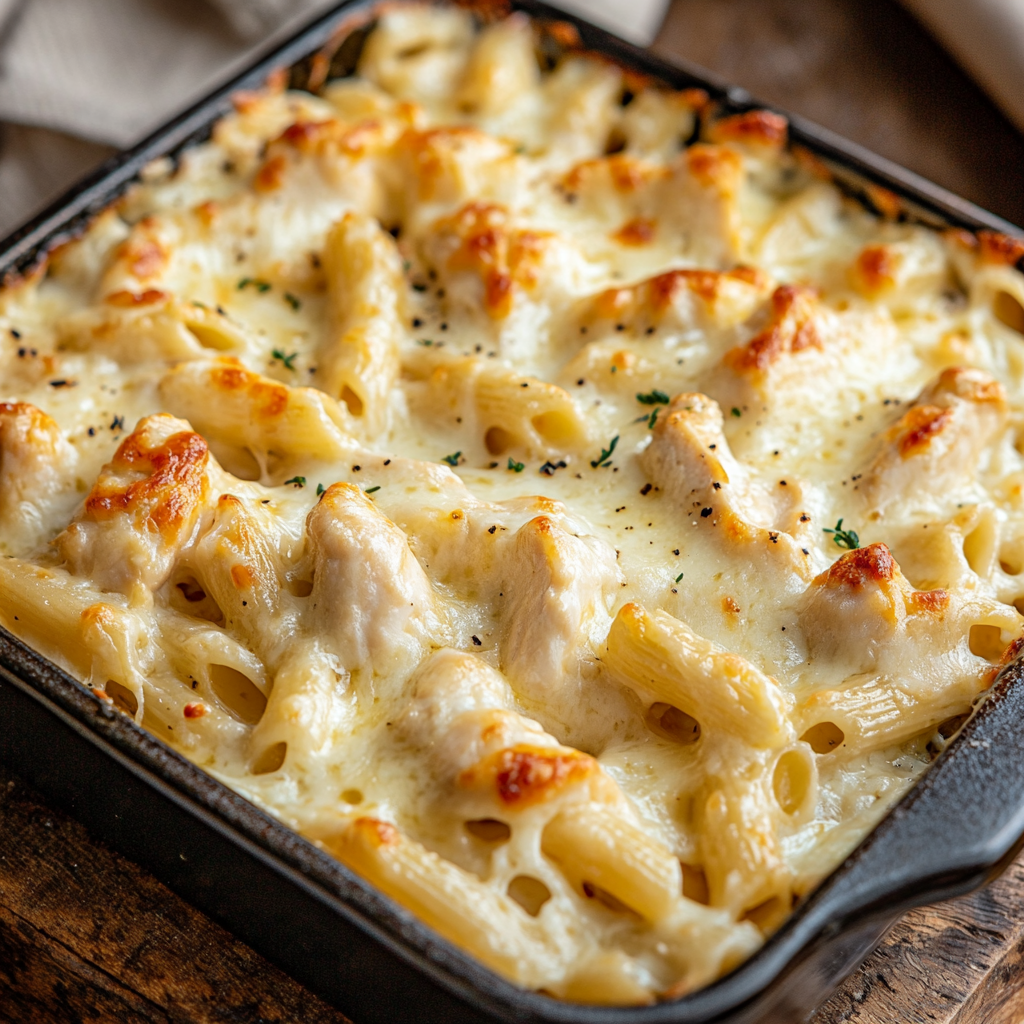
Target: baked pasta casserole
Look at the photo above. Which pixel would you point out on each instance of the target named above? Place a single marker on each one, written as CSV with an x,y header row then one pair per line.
x,y
559,501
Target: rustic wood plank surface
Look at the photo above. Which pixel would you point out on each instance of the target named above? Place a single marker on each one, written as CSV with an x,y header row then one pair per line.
x,y
87,936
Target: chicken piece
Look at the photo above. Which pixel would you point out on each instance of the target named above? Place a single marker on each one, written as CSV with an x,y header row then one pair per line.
x,y
558,588
933,452
36,471
371,598
144,509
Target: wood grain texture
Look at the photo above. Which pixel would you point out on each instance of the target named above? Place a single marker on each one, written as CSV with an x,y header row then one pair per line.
x,y
960,962
85,935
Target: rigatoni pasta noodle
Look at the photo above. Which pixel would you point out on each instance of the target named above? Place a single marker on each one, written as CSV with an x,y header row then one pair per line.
x,y
561,503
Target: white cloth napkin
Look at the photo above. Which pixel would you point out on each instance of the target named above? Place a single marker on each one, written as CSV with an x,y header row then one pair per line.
x,y
111,70
987,38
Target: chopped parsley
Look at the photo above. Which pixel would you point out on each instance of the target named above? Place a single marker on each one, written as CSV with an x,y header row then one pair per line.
x,y
516,467
453,459
844,538
118,423
254,282
293,301
320,489
678,578
289,361
299,481
654,397
370,490
653,418
736,412
604,459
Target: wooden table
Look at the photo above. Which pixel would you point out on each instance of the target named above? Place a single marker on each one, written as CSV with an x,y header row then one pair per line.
x,y
88,936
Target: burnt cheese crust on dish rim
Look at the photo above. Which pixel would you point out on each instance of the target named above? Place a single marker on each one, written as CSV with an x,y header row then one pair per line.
x,y
560,502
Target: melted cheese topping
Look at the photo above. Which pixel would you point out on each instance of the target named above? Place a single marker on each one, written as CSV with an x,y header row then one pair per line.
x,y
584,535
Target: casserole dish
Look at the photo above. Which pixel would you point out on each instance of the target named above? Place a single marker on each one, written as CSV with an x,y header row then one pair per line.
x,y
692,1004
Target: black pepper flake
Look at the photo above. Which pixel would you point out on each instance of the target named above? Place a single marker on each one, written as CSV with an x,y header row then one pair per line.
x,y
492,529
717,486
15,333
549,467
477,642
675,551
773,536
580,382
805,551
804,517
705,512
61,383
118,423
621,508
646,489
620,327
92,431
417,322
22,353
782,483
355,469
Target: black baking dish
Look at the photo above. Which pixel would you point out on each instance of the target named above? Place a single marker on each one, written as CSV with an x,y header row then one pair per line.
x,y
954,831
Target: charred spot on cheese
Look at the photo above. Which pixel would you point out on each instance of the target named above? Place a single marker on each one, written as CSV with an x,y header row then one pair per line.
x,y
790,330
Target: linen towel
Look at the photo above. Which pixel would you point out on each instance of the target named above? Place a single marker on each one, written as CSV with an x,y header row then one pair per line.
x,y
987,38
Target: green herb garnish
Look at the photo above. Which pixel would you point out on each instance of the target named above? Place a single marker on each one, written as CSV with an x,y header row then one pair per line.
x,y
736,412
654,397
606,454
293,301
289,361
299,481
652,418
320,489
516,467
844,538
255,282
370,490
453,459
679,577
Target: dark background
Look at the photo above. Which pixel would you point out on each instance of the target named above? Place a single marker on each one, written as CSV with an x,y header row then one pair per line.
x,y
868,70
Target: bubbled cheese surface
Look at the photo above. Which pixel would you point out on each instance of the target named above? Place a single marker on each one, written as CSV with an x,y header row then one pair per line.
x,y
451,463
